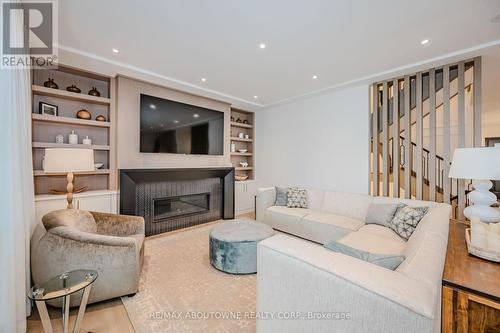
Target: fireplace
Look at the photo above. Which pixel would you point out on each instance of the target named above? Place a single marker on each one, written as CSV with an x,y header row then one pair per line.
x,y
171,199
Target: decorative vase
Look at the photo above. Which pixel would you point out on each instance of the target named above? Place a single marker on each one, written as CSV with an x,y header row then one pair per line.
x,y
59,138
83,114
50,84
100,118
87,141
73,138
74,89
94,92
233,147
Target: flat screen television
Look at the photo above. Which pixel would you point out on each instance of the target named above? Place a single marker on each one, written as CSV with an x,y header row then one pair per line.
x,y
178,128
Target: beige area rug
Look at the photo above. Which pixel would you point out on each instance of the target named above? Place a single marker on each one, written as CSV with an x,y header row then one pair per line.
x,y
179,291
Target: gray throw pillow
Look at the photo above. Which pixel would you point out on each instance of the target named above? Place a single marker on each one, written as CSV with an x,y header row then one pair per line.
x,y
281,196
296,198
389,261
382,214
406,219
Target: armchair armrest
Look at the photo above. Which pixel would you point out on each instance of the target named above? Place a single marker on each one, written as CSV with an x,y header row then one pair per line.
x,y
266,197
92,239
118,225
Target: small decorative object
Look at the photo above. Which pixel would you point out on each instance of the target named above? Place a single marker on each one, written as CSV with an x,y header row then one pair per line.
x,y
480,165
94,92
247,136
242,150
87,141
74,89
483,240
98,165
50,84
245,121
48,109
233,147
241,178
232,119
244,164
238,120
59,138
241,135
83,114
100,118
73,138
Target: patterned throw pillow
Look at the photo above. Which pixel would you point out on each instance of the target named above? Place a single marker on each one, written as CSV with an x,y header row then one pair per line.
x,y
406,219
296,198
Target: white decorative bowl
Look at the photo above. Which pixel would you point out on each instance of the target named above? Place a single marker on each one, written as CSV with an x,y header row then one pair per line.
x,y
98,165
242,150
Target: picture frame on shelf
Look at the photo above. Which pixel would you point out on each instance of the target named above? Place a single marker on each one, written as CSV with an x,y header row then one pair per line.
x,y
48,109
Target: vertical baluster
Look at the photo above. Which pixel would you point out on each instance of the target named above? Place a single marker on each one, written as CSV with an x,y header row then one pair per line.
x,y
375,139
477,102
419,134
461,132
385,141
395,137
407,124
432,135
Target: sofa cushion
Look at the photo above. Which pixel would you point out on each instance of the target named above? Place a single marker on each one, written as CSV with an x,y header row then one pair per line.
x,y
296,198
340,221
347,204
374,243
74,218
389,261
378,230
382,213
406,219
281,196
286,219
315,199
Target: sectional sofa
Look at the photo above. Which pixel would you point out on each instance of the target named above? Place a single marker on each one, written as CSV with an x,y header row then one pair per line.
x,y
304,287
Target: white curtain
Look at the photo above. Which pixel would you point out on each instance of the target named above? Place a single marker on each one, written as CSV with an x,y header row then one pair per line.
x,y
17,195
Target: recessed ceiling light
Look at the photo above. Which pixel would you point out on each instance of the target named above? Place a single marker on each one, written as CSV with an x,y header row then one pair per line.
x,y
262,45
255,96
116,51
176,121
314,77
152,106
425,41
196,115
203,79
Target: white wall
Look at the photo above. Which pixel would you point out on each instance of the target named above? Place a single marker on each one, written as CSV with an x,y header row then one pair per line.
x,y
320,142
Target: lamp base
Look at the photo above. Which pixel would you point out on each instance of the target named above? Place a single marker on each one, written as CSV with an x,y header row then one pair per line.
x,y
481,200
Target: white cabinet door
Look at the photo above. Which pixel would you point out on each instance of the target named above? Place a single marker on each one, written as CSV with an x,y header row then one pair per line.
x,y
245,196
100,203
46,206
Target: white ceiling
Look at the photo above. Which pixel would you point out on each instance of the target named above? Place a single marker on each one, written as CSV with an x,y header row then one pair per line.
x,y
340,41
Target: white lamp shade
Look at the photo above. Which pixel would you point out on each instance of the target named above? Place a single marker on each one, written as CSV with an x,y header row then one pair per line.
x,y
65,160
476,163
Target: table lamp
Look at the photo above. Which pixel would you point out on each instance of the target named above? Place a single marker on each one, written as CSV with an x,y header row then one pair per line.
x,y
68,160
481,165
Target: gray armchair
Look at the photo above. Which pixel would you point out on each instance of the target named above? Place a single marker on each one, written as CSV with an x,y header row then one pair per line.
x,y
72,239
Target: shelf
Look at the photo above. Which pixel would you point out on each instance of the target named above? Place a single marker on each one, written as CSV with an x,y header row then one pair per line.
x,y
234,138
67,145
235,124
243,169
67,120
44,91
241,154
39,173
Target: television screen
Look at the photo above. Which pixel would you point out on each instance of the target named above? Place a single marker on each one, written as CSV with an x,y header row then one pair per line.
x,y
178,128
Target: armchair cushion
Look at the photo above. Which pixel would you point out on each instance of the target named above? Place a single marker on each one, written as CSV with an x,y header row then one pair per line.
x,y
78,219
118,225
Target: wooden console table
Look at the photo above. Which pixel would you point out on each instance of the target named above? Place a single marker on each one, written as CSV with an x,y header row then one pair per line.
x,y
471,288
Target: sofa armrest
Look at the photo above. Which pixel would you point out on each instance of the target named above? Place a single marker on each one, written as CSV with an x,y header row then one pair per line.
x,y
299,277
118,225
266,197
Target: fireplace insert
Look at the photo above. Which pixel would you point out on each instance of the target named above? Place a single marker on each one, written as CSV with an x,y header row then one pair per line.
x,y
182,205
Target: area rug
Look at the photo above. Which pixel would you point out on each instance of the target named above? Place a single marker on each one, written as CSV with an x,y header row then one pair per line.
x,y
179,291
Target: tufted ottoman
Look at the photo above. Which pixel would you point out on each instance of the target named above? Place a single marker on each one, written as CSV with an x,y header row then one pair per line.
x,y
233,245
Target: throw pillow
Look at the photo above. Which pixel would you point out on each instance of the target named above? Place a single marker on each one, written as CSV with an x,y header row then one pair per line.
x,y
389,261
281,196
382,214
406,219
296,198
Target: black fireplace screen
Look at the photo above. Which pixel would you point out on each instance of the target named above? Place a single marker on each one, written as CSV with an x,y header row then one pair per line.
x,y
183,205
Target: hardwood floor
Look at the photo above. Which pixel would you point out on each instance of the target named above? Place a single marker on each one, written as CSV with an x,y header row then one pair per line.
x,y
108,316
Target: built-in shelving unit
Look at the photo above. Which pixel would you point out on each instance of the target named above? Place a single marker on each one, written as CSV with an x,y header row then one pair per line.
x,y
46,127
243,137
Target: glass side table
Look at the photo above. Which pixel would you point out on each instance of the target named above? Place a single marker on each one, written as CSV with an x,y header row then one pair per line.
x,y
63,285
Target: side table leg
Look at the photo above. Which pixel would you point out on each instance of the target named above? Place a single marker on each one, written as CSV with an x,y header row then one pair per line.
x,y
65,314
81,310
44,316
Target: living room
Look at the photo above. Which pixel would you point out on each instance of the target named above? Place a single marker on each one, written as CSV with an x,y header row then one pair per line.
x,y
305,166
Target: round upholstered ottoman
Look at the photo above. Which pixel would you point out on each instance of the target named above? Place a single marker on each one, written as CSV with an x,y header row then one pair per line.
x,y
233,245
